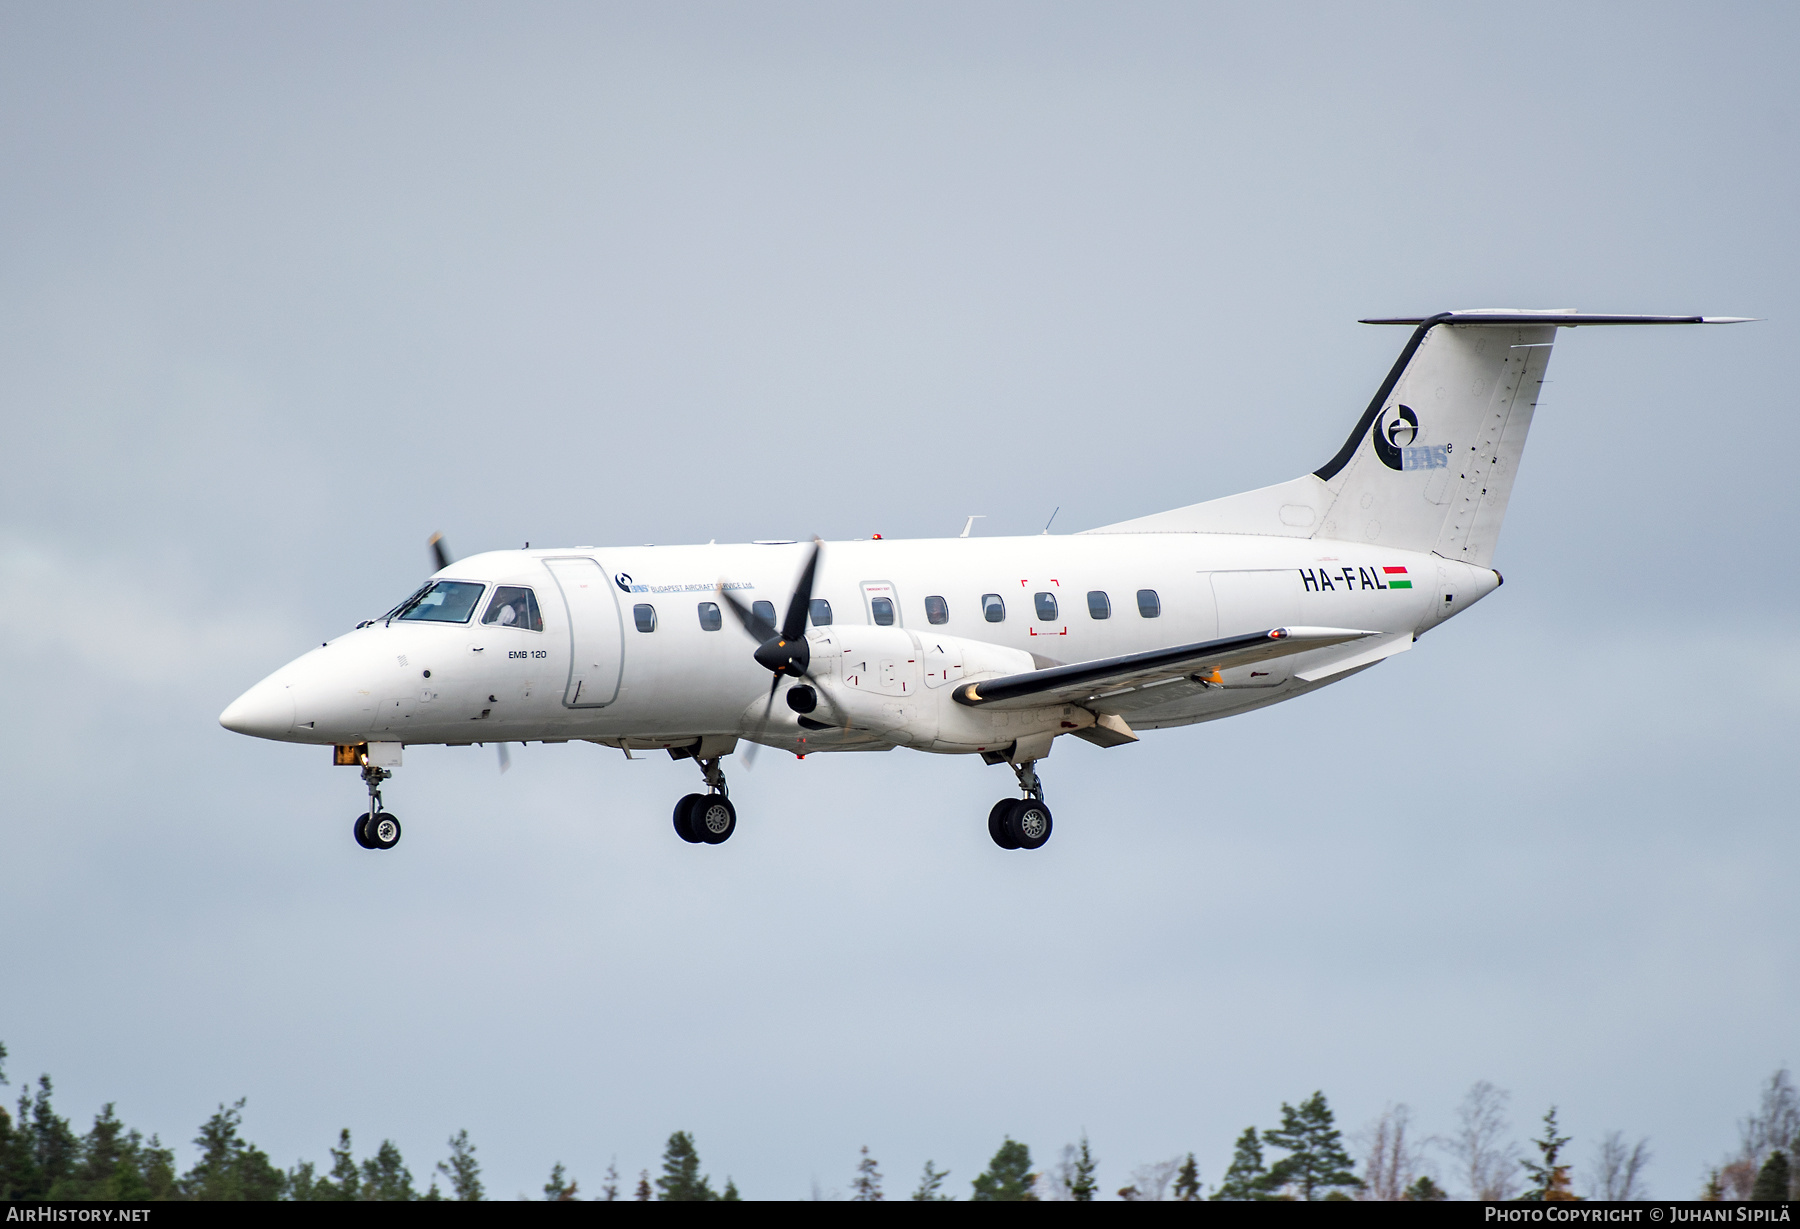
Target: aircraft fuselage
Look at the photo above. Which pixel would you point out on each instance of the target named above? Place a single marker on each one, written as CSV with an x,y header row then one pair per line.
x,y
691,674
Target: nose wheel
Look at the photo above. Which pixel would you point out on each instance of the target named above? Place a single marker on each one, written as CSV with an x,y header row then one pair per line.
x,y
709,818
376,828
1022,823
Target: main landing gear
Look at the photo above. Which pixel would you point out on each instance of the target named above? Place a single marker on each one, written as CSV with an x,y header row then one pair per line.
x,y
707,818
375,828
1022,823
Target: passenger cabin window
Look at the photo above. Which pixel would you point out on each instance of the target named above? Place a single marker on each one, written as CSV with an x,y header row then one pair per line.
x,y
1149,605
820,609
883,610
937,610
764,611
993,608
513,607
1046,606
644,615
1099,605
709,617
447,601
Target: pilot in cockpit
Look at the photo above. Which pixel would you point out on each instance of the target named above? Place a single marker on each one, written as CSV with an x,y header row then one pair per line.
x,y
513,607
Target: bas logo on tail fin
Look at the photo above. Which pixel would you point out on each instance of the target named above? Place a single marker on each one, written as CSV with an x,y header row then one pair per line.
x,y
1430,463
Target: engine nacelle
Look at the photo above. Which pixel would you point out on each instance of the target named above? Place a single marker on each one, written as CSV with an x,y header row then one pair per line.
x,y
900,684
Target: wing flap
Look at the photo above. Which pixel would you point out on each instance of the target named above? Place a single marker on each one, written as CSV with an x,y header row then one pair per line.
x,y
1366,654
1095,680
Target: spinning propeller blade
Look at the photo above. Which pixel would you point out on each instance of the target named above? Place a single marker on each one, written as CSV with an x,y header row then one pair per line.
x,y
783,650
505,757
762,725
440,554
753,623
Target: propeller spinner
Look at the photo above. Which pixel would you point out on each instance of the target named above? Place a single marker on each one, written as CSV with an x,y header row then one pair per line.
x,y
783,651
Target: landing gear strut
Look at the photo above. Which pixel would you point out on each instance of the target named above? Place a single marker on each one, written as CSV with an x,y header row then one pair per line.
x,y
1021,823
375,828
707,818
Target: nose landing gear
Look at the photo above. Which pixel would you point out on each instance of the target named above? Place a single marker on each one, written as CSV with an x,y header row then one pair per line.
x,y
1021,823
707,818
375,828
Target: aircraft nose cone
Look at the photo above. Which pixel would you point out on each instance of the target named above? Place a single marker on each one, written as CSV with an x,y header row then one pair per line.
x,y
265,711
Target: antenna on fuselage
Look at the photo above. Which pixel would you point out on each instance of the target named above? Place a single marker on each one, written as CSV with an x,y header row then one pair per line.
x,y
970,524
1052,520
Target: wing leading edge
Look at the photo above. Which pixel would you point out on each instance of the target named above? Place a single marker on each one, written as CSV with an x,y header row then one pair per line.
x,y
1092,680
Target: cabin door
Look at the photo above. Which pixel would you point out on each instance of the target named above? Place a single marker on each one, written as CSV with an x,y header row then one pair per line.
x,y
596,632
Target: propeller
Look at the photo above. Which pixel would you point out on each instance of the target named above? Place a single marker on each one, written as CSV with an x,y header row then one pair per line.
x,y
505,757
783,651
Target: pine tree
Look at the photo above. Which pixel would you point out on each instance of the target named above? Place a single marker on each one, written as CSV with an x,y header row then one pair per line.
x,y
868,1180
730,1194
1550,1181
6,1138
609,1187
1773,1180
386,1177
681,1180
1246,1177
44,1147
931,1184
1083,1187
117,1164
304,1185
1715,1190
102,1170
463,1170
345,1182
557,1190
1187,1181
229,1167
1424,1191
642,1193
1008,1178
1316,1160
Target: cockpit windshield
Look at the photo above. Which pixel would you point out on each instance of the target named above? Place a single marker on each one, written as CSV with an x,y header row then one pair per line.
x,y
444,601
514,607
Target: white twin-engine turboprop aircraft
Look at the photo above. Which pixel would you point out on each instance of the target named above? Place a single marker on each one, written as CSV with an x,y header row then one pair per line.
x,y
964,646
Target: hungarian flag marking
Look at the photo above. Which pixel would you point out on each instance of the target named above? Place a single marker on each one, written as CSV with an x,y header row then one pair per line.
x,y
1396,578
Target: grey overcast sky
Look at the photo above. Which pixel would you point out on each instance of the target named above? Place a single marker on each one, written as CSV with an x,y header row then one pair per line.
x,y
284,288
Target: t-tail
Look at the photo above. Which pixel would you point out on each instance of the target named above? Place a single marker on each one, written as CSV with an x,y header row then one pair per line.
x,y
1430,464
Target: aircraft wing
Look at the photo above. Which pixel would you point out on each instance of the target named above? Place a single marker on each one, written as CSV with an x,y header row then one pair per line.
x,y
1095,680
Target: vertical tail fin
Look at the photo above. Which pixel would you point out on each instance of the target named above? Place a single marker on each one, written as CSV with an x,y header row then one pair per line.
x,y
1430,464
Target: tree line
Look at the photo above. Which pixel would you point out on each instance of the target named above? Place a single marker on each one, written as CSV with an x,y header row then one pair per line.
x,y
1305,1156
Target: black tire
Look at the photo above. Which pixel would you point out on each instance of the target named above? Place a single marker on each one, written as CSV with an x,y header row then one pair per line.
x,y
361,832
383,831
714,819
1028,823
683,810
998,828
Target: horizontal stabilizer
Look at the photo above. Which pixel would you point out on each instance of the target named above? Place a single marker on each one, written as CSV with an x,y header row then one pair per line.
x,y
1092,680
1562,319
